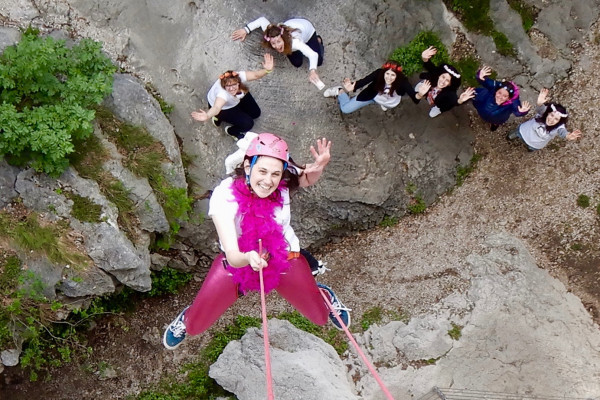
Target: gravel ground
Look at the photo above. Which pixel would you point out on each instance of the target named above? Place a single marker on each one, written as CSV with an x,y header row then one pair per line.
x,y
410,266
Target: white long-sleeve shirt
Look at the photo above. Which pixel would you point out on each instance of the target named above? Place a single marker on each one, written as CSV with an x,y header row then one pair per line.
x,y
304,32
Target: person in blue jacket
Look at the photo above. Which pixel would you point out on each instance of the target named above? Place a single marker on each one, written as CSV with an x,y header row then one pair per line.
x,y
495,101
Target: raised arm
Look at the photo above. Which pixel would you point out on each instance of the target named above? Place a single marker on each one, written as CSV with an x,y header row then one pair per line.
x,y
202,115
240,34
267,68
312,172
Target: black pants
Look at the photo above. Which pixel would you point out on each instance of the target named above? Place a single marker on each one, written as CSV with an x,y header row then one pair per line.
x,y
312,261
241,117
297,57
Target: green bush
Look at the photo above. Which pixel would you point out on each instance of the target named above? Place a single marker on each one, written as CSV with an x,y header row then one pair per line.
x,y
527,12
168,281
583,201
474,14
467,67
46,96
409,56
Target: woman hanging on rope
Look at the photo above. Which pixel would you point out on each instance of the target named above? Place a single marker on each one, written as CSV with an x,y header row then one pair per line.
x,y
442,97
550,121
296,38
249,208
384,86
230,100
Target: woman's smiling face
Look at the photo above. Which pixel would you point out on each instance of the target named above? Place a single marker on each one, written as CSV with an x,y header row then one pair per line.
x,y
265,175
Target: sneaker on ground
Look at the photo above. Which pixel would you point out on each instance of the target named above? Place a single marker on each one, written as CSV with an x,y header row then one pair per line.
x,y
321,269
332,91
216,122
342,311
384,108
175,332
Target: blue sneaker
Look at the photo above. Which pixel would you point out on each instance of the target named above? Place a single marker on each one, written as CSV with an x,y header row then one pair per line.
x,y
342,311
175,332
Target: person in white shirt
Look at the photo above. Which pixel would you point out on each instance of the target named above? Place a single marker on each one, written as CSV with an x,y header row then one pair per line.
x,y
296,38
230,100
550,121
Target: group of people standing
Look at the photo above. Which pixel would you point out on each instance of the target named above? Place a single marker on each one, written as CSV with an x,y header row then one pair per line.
x,y
251,209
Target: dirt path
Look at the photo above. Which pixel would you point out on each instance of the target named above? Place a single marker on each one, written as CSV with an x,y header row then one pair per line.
x,y
409,266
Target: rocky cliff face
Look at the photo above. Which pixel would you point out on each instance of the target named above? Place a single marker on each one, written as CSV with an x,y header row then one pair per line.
x,y
183,47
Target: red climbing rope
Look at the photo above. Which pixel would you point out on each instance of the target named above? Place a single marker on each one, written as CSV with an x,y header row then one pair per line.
x,y
358,350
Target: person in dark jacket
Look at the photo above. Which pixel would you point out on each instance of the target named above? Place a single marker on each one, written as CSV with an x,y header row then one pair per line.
x,y
384,86
445,81
495,101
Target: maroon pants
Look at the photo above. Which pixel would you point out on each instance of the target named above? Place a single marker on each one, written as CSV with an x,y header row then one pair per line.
x,y
219,292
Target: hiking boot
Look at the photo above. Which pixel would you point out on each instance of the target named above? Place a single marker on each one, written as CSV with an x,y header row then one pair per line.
x,y
175,332
342,311
215,121
321,269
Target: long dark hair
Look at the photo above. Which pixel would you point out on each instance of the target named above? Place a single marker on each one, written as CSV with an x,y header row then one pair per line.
x,y
276,30
560,108
434,75
394,67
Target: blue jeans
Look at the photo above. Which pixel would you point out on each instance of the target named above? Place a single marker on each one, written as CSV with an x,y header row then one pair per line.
x,y
349,105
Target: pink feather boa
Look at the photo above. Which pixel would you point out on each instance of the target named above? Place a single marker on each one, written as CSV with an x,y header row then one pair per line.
x,y
257,221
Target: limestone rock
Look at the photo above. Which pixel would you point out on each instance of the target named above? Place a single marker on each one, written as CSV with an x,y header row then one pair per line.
x,y
8,176
522,333
133,104
303,366
89,282
10,357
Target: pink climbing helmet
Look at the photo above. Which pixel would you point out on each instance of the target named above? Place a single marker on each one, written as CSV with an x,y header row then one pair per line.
x,y
268,144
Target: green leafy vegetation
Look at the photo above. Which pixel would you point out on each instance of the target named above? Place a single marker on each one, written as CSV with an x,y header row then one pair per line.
x,y
84,209
527,12
144,157
576,246
389,221
168,281
583,201
417,205
47,92
29,235
409,56
463,172
474,14
467,66
371,317
456,332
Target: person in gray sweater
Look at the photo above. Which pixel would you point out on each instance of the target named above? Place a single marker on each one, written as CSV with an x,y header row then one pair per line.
x,y
550,121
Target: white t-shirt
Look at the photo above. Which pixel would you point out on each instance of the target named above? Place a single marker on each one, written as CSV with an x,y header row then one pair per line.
x,y
388,100
218,91
222,203
304,32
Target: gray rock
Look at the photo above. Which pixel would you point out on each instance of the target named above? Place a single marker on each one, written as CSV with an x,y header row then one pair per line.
x,y
8,177
133,104
150,214
8,37
39,193
114,253
522,333
90,282
10,357
158,261
45,273
303,366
